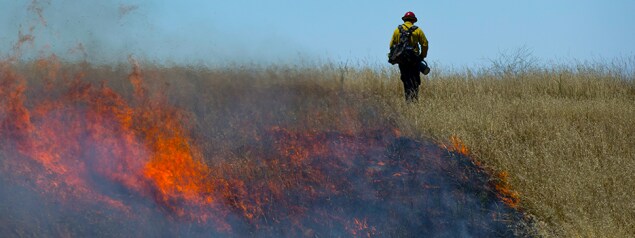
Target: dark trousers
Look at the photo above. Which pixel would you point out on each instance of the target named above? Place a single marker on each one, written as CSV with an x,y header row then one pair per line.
x,y
411,81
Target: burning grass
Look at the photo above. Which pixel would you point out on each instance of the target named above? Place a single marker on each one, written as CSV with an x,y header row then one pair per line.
x,y
296,151
268,152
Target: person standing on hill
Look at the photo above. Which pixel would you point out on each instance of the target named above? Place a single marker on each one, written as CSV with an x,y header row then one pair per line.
x,y
408,48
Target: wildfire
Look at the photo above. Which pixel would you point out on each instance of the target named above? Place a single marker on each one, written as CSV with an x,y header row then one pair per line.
x,y
92,129
501,183
505,192
458,146
83,144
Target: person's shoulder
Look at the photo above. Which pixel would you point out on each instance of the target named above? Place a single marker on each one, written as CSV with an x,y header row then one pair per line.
x,y
397,28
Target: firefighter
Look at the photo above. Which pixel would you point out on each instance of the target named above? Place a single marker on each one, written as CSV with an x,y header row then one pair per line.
x,y
410,70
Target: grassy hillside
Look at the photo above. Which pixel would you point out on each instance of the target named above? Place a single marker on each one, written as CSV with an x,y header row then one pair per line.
x,y
565,137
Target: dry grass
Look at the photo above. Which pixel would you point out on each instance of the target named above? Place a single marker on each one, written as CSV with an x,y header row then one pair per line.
x,y
566,136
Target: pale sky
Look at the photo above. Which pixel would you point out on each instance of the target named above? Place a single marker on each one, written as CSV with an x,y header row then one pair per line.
x,y
461,33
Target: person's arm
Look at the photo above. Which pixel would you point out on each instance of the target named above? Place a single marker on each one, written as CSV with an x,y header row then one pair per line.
x,y
394,39
423,41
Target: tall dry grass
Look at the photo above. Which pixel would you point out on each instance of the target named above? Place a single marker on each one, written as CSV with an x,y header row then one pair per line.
x,y
565,135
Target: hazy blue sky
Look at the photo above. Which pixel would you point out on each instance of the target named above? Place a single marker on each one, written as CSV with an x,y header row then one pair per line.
x,y
211,32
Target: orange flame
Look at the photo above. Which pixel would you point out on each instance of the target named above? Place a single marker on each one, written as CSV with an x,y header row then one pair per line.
x,y
458,146
360,228
501,184
134,146
505,192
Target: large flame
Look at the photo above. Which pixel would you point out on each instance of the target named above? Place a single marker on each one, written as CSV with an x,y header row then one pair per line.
x,y
89,129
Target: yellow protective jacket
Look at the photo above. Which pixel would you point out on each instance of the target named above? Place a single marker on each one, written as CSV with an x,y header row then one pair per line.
x,y
418,38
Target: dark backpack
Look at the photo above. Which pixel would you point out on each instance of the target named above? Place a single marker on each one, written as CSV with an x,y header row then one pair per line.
x,y
403,52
